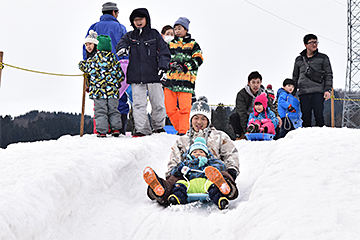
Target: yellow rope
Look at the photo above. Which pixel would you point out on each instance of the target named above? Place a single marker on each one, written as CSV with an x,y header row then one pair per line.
x,y
85,75
24,69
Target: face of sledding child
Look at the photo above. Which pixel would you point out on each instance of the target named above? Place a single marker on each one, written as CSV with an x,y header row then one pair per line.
x,y
254,85
289,88
197,153
259,107
139,22
89,47
180,31
199,122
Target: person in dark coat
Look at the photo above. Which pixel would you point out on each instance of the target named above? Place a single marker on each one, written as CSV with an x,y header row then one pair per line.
x,y
314,78
149,59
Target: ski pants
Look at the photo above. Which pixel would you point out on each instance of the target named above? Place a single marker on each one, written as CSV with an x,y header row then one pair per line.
x,y
312,102
106,113
178,106
156,97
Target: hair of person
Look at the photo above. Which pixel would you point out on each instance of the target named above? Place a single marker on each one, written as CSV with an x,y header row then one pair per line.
x,y
308,37
165,28
109,12
254,75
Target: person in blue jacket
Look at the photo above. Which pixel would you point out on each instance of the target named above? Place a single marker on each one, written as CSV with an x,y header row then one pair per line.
x,y
110,26
149,59
288,108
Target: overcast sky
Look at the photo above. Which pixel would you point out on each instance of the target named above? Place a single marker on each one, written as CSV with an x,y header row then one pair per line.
x,y
236,36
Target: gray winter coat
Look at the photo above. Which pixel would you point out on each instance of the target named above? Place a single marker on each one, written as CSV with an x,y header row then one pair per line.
x,y
319,62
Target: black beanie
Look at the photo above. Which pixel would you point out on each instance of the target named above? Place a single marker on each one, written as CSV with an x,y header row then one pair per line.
x,y
288,81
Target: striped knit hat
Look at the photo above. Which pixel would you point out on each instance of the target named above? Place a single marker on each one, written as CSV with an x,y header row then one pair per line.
x,y
199,143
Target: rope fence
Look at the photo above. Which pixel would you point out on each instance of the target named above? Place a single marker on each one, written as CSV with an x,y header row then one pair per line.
x,y
2,64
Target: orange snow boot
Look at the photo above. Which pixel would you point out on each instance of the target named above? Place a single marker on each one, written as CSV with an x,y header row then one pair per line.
x,y
215,176
152,180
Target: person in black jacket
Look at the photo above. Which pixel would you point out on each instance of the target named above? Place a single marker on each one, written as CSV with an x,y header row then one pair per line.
x,y
149,59
314,79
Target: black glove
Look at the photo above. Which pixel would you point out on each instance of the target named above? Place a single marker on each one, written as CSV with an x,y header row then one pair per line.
x,y
162,75
291,109
232,172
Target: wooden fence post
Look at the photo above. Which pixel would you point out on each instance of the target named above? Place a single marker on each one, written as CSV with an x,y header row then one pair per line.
x,y
332,108
1,60
83,108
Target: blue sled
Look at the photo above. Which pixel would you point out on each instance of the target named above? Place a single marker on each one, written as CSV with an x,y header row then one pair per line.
x,y
193,197
259,136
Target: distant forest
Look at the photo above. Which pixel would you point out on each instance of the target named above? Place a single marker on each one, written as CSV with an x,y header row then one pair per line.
x,y
35,125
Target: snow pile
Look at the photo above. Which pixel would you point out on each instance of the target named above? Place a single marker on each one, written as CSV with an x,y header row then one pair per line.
x,y
305,186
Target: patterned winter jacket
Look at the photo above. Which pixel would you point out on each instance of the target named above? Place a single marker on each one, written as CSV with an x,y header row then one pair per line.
x,y
218,143
320,62
184,51
245,102
105,73
193,163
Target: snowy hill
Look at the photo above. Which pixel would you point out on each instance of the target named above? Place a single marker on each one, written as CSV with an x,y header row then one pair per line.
x,y
305,186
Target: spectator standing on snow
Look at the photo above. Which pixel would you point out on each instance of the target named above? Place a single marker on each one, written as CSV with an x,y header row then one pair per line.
x,y
110,26
186,58
104,83
314,79
149,59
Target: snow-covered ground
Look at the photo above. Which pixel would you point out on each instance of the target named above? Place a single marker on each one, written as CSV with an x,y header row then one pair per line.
x,y
305,186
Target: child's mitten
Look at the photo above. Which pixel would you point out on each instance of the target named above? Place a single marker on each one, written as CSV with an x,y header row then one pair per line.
x,y
184,170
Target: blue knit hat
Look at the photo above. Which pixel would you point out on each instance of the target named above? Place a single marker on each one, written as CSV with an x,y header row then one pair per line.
x,y
183,21
199,143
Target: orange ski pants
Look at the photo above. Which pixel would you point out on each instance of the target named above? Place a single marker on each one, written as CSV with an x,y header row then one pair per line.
x,y
178,106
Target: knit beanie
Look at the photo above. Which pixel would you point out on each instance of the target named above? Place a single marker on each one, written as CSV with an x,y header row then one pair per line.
x,y
288,81
199,143
201,107
269,86
104,43
109,6
262,98
91,38
183,21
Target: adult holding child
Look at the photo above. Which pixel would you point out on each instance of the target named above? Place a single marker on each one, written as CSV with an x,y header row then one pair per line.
x,y
219,145
245,102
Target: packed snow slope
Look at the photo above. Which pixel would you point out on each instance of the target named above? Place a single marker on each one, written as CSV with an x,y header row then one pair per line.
x,y
305,186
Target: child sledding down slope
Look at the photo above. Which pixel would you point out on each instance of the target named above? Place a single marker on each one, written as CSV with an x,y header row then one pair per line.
x,y
201,172
262,119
